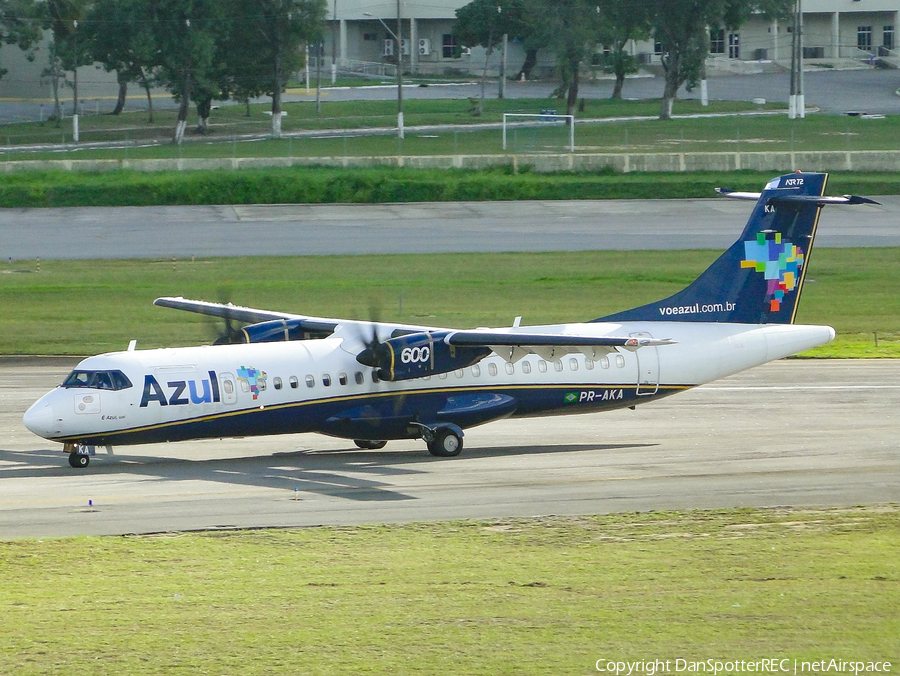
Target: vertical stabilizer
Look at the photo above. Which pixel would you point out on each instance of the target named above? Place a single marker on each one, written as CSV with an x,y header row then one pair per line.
x,y
758,280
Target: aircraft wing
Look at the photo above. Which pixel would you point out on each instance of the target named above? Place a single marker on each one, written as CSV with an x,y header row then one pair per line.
x,y
245,314
513,345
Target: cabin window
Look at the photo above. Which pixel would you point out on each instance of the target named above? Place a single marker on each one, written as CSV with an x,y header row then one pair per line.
x,y
359,378
573,364
261,384
342,378
245,385
510,368
476,370
277,383
620,361
442,376
310,381
375,377
604,362
326,380
98,380
542,366
228,386
459,373
492,369
526,367
589,364
294,382
558,365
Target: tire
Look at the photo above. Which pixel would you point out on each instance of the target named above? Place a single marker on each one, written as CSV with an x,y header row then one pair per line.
x,y
369,444
446,444
79,460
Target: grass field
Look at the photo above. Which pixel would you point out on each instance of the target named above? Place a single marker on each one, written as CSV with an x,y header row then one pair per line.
x,y
516,596
86,307
729,134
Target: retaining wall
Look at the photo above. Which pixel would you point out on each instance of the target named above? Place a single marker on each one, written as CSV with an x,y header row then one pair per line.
x,y
851,160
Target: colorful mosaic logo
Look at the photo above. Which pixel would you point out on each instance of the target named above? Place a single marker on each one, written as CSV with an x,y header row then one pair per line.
x,y
254,377
779,261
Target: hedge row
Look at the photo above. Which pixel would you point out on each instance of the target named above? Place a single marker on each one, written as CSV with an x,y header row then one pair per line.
x,y
328,185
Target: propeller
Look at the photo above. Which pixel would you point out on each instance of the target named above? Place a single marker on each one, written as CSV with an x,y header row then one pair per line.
x,y
375,353
227,333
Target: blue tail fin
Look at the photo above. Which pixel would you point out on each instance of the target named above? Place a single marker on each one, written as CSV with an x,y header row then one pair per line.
x,y
758,280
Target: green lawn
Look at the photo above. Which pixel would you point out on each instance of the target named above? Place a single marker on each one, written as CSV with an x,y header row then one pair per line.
x,y
746,134
515,596
86,307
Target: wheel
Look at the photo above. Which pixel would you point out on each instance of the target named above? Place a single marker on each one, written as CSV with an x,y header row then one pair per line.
x,y
79,460
369,444
446,444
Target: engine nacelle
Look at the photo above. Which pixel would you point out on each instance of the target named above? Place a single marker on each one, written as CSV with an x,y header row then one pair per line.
x,y
416,355
279,330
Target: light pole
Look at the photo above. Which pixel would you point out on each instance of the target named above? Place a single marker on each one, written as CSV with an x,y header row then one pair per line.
x,y
396,37
75,83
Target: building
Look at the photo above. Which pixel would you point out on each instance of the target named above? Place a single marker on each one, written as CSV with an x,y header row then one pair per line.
x,y
361,33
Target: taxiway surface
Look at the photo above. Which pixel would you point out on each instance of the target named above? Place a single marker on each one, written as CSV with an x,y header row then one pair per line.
x,y
442,227
794,432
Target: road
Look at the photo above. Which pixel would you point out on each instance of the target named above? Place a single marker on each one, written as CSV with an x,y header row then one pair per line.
x,y
833,91
796,432
299,229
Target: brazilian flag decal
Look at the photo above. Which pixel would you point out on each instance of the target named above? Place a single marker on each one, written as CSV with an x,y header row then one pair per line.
x,y
571,397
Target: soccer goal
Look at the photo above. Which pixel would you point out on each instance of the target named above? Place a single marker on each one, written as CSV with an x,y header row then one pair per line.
x,y
538,132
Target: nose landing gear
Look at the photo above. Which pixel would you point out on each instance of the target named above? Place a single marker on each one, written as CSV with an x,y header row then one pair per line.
x,y
79,455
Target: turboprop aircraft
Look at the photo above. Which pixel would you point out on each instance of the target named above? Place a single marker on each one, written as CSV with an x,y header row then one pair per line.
x,y
374,381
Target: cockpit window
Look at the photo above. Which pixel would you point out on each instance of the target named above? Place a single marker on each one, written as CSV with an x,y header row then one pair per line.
x,y
97,380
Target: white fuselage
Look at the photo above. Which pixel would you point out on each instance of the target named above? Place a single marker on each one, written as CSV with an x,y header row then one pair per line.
x,y
318,385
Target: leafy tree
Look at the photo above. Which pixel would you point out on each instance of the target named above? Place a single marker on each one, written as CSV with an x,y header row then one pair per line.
x,y
573,27
71,45
482,22
20,25
682,28
622,21
185,33
121,42
268,47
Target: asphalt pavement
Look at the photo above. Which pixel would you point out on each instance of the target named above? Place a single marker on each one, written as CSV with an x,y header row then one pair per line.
x,y
833,91
442,227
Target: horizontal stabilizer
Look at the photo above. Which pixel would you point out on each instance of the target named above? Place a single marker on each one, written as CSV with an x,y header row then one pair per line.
x,y
792,197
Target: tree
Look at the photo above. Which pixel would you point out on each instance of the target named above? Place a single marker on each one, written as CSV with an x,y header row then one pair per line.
x,y
185,33
71,46
482,22
272,32
622,21
121,42
20,25
573,27
682,28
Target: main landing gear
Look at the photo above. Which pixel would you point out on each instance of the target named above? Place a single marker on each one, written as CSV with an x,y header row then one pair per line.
x,y
445,443
369,444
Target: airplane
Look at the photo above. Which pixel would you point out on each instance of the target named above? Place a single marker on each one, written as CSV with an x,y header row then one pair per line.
x,y
372,381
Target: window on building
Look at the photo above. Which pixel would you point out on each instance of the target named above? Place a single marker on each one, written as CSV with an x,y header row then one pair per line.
x,y
734,46
449,47
864,37
717,41
887,37
657,47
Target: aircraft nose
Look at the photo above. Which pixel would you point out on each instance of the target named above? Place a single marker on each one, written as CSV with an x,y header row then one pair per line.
x,y
40,419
